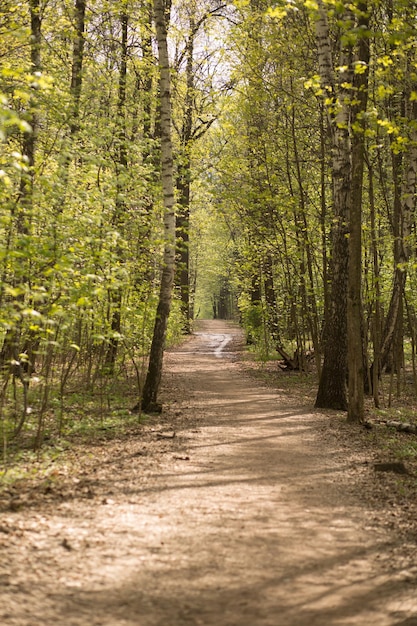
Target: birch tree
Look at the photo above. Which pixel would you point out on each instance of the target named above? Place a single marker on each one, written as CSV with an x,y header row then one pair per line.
x,y
148,401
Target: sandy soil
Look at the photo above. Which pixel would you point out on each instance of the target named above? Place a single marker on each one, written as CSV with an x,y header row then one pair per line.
x,y
250,515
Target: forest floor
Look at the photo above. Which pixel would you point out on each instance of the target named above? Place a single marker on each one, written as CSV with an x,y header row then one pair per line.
x,y
239,505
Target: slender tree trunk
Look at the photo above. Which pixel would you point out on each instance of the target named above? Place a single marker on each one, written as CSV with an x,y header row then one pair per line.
x,y
306,261
119,217
65,157
376,317
150,390
13,344
402,250
184,184
324,210
189,133
356,375
183,227
74,112
405,187
271,300
404,173
146,128
401,254
77,64
30,137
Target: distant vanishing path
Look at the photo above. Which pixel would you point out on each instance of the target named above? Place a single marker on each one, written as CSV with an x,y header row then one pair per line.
x,y
243,521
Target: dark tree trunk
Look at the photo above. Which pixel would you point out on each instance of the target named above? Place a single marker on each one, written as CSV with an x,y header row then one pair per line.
x,y
184,183
119,217
271,301
332,386
14,344
404,168
356,359
77,64
183,237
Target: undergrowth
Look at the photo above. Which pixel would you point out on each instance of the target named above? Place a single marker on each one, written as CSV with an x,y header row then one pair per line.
x,y
84,416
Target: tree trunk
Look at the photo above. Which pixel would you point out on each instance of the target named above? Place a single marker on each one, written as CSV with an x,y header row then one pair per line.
x,y
271,301
403,216
153,378
74,111
371,381
356,375
119,217
404,166
183,227
14,344
184,183
305,252
332,386
77,64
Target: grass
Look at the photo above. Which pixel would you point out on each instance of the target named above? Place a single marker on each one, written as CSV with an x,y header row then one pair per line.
x,y
83,416
88,416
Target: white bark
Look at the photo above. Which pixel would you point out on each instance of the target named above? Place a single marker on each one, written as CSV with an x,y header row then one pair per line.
x,y
324,50
153,378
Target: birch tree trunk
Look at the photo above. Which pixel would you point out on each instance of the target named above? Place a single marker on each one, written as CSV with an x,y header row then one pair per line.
x,y
150,390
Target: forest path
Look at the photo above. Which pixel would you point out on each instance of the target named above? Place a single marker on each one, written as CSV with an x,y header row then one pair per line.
x,y
242,519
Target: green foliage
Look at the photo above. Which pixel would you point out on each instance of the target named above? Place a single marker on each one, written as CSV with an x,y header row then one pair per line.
x,y
253,324
90,415
81,234
212,248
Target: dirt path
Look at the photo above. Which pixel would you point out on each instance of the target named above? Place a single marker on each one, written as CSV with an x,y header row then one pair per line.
x,y
242,519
